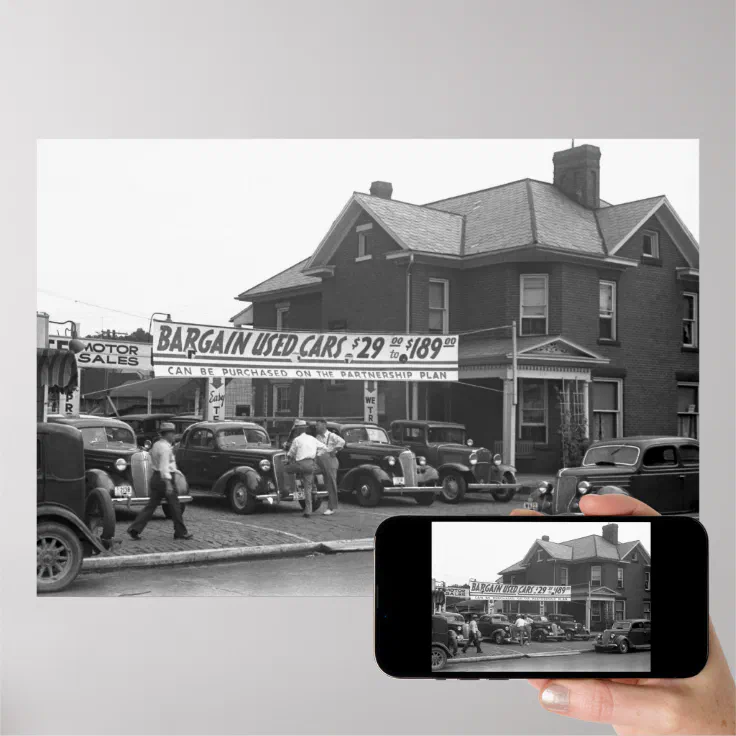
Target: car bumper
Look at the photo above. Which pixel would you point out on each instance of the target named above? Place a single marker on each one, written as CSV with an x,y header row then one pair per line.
x,y
140,501
606,647
489,487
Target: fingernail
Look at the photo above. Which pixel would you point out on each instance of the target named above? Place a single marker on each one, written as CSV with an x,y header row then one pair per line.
x,y
556,697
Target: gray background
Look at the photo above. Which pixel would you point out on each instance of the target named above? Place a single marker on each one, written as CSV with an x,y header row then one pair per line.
x,y
325,69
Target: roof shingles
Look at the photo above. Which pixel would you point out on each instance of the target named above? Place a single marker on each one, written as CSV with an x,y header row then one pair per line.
x,y
291,278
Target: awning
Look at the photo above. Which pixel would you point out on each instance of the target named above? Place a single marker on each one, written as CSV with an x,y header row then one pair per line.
x,y
160,388
57,369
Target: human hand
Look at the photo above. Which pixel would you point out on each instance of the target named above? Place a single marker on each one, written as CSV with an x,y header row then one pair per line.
x,y
704,704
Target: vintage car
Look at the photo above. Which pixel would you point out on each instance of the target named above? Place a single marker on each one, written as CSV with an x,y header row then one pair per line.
x,y
544,629
663,472
571,628
371,466
235,460
456,622
462,467
146,427
440,642
625,636
114,461
73,521
494,626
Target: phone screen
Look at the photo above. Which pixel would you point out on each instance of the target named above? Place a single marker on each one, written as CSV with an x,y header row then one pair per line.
x,y
541,597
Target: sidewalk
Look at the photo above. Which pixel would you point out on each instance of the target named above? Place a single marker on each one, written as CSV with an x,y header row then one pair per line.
x,y
534,649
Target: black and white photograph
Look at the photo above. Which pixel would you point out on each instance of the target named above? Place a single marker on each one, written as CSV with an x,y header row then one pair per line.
x,y
542,597
252,352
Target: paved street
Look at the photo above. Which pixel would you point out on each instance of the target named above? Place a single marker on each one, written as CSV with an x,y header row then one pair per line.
x,y
325,575
214,525
589,662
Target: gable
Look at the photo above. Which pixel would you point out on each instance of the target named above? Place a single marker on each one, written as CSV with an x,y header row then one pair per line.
x,y
558,347
669,254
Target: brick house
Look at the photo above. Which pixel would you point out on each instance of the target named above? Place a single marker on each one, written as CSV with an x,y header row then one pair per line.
x,y
604,298
610,580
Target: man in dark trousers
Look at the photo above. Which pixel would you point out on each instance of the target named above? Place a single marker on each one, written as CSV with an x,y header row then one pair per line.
x,y
162,486
474,637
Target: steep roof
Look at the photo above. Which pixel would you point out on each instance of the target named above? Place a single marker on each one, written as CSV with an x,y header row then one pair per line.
x,y
617,221
290,278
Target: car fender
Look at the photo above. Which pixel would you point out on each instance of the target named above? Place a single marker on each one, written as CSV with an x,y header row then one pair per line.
x,y
96,478
610,490
57,512
445,649
348,480
464,470
250,476
429,475
498,471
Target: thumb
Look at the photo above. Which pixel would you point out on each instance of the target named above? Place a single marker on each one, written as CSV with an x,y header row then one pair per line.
x,y
649,708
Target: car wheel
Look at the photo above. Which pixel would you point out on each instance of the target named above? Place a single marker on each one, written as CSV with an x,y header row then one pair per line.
x,y
498,637
506,494
453,487
368,490
316,503
439,658
624,646
167,510
99,514
58,557
241,502
541,636
424,499
569,635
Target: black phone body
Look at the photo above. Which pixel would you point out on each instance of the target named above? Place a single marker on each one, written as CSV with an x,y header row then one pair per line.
x,y
628,597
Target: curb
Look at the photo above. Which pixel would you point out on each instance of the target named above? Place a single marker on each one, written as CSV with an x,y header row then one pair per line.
x,y
493,657
197,556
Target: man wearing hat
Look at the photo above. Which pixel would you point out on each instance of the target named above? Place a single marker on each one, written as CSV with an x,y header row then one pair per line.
x,y
300,459
162,486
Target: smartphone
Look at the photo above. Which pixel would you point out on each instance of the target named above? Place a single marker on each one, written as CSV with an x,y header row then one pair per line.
x,y
530,597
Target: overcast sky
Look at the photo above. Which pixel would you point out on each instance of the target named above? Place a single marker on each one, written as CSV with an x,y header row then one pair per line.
x,y
480,550
136,227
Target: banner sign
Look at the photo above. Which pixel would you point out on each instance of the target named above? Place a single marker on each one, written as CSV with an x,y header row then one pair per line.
x,y
107,353
370,402
227,352
457,592
215,409
507,592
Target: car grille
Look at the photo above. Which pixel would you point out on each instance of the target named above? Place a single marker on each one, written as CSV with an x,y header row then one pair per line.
x,y
278,461
565,491
141,470
482,470
408,462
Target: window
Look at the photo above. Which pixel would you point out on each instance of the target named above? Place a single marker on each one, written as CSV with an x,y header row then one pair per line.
x,y
607,310
413,434
533,304
362,245
620,612
595,611
620,577
690,455
282,398
512,579
687,410
439,306
564,576
39,459
648,611
690,320
635,557
607,414
202,438
540,556
647,580
533,411
595,574
658,457
282,318
650,244
242,410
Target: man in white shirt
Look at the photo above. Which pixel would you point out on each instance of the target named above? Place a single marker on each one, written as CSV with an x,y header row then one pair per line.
x,y
300,459
328,463
474,637
162,486
520,626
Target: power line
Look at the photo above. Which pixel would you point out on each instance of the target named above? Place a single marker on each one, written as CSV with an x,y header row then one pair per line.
x,y
89,304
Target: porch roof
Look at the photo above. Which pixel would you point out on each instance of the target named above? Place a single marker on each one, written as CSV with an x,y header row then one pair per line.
x,y
488,350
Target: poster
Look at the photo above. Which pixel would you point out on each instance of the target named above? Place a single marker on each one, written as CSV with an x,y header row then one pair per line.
x,y
508,592
107,353
370,402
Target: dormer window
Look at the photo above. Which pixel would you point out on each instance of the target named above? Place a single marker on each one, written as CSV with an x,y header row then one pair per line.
x,y
650,244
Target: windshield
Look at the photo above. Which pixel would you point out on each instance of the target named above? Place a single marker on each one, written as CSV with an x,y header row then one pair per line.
x,y
107,436
366,434
612,455
455,617
447,434
241,437
622,625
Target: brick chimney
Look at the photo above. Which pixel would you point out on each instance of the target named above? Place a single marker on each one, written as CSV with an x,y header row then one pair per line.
x,y
545,539
577,174
610,533
382,189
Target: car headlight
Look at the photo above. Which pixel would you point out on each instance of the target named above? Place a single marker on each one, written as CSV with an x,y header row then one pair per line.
x,y
544,487
147,445
473,459
497,459
120,464
505,628
421,460
264,465
391,460
583,487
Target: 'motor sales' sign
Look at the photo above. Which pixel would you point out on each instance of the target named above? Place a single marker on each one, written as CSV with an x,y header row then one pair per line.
x,y
108,353
507,592
198,350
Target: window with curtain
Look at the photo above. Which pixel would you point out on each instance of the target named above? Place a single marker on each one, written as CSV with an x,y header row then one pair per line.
x,y
534,307
564,576
687,410
690,321
533,411
606,409
595,574
607,310
439,309
620,611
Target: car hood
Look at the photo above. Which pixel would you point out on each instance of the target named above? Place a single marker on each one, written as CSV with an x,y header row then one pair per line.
x,y
595,471
375,447
112,451
250,452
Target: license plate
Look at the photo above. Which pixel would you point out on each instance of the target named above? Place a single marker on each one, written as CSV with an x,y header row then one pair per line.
x,y
123,491
398,481
533,505
299,495
320,479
